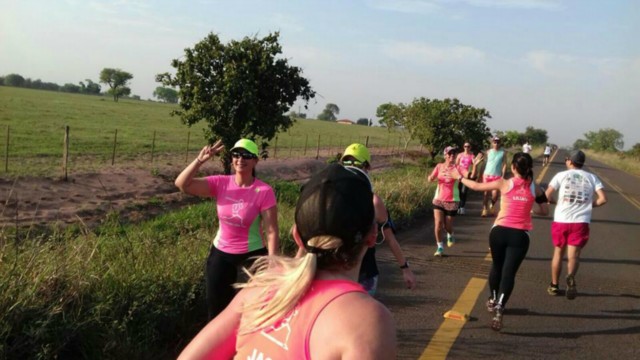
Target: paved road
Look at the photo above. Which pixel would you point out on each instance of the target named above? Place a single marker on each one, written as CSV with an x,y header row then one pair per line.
x,y
603,321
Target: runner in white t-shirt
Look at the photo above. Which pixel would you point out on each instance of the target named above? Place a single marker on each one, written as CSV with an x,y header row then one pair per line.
x,y
570,227
547,154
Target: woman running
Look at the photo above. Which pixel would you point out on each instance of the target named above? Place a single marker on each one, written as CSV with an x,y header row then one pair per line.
x,y
292,308
358,156
246,208
509,237
446,199
465,161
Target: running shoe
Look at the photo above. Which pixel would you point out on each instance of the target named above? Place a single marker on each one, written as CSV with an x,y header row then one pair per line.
x,y
492,209
484,212
571,287
450,240
439,252
461,211
496,322
553,290
491,305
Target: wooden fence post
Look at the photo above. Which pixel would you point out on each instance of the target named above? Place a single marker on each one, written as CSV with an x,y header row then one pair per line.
x,y
186,156
113,153
275,148
366,142
291,147
6,152
318,148
65,153
306,140
153,145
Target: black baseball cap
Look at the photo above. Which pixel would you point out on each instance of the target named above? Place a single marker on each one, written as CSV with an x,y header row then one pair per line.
x,y
336,202
577,157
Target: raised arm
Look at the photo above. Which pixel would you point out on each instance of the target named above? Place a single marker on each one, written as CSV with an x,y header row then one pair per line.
x,y
187,182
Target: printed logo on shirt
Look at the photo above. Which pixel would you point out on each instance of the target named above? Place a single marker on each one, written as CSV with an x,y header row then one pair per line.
x,y
280,332
576,190
235,219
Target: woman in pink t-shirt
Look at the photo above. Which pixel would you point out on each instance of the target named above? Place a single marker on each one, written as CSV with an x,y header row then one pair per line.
x,y
465,161
446,199
311,306
246,209
509,237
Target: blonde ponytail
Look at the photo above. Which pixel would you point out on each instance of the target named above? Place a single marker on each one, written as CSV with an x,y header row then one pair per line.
x,y
283,281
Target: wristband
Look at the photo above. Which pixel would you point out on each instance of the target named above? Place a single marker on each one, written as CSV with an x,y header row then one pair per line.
x,y
405,265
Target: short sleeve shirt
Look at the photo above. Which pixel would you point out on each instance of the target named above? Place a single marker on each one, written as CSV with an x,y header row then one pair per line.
x,y
239,209
447,189
575,195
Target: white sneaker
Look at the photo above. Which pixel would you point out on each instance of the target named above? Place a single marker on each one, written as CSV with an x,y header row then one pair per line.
x,y
461,211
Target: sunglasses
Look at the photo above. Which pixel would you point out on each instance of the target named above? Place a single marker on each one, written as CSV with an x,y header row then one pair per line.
x,y
244,155
355,163
467,146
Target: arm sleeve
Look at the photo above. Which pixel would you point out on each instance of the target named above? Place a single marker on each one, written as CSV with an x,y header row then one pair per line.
x,y
269,199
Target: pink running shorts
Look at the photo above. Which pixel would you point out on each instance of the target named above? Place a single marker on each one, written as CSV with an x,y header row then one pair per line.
x,y
574,234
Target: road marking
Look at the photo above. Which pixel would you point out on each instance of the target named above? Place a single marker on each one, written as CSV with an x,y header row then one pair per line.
x,y
446,335
544,168
617,189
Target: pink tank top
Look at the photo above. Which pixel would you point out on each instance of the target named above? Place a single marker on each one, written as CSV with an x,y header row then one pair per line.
x,y
289,337
516,204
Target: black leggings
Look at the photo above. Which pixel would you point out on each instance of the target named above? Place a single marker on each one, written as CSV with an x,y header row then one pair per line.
x,y
221,273
508,248
463,190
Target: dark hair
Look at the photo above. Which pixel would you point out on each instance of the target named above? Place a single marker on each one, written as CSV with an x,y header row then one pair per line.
x,y
524,164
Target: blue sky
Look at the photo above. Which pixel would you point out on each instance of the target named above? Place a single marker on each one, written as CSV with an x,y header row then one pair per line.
x,y
568,67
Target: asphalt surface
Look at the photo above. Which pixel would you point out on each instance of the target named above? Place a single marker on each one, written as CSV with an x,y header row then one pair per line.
x,y
602,322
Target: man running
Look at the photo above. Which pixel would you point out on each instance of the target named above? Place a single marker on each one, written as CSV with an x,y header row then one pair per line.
x,y
494,170
570,227
547,154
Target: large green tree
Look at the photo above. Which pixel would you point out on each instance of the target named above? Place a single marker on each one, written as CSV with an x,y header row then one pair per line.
x,y
166,94
329,113
536,136
605,140
117,81
391,115
440,123
241,89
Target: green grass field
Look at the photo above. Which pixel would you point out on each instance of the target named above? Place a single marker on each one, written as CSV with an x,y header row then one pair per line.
x,y
36,121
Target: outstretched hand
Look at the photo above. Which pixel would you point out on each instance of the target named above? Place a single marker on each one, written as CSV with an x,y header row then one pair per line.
x,y
209,151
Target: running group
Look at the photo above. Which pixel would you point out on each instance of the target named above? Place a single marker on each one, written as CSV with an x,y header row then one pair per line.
x,y
320,302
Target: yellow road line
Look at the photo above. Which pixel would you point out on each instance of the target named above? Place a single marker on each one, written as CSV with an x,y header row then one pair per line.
x,y
544,168
446,335
631,200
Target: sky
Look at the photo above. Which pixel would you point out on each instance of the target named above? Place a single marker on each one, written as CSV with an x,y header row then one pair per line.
x,y
565,66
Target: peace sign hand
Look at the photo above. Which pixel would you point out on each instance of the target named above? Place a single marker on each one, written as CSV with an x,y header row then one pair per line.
x,y
209,151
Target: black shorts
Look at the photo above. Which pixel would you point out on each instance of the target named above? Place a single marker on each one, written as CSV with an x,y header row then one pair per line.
x,y
446,212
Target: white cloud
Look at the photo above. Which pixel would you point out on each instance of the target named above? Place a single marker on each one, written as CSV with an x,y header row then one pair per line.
x,y
514,4
565,66
405,6
431,6
427,54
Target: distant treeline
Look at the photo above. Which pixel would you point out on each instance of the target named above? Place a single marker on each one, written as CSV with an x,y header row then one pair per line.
x,y
87,87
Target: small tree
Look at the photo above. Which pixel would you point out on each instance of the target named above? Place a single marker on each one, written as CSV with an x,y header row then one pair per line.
x,y
363,121
117,81
242,89
166,94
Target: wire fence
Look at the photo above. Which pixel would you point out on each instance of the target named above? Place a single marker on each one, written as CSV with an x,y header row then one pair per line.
x,y
26,153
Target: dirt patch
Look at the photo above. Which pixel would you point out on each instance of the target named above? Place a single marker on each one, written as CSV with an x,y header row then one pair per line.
x,y
136,192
